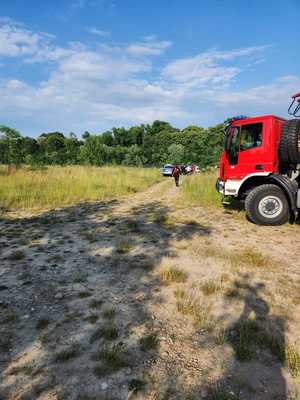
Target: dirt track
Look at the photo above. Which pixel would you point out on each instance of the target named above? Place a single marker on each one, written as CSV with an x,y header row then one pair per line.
x,y
82,279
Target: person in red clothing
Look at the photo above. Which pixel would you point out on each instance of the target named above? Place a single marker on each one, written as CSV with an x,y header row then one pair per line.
x,y
176,174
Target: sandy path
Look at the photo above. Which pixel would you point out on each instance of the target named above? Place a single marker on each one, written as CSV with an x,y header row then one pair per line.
x,y
84,279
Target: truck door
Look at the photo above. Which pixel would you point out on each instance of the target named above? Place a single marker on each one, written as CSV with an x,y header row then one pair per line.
x,y
247,153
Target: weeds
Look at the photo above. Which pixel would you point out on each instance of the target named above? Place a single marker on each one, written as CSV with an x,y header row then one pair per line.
x,y
250,257
92,319
112,359
136,385
149,342
250,334
179,294
44,339
172,274
131,225
124,245
190,303
210,287
80,277
163,219
106,332
221,336
17,255
96,304
67,354
292,361
85,294
42,323
10,318
28,369
109,313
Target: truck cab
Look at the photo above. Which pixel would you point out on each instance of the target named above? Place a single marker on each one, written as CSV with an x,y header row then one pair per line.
x,y
259,165
250,150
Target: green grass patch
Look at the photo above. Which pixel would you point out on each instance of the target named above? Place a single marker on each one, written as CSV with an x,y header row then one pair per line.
x,y
201,189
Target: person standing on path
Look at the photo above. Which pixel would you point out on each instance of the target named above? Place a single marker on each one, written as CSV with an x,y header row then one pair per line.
x,y
176,174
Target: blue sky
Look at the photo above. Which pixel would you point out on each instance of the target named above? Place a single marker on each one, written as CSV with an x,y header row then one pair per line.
x,y
81,65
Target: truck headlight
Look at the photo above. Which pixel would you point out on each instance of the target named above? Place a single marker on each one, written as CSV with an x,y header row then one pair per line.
x,y
219,185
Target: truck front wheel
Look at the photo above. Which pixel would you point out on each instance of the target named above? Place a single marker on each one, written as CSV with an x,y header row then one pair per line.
x,y
267,205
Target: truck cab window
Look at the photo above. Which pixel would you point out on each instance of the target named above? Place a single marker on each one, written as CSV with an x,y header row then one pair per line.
x,y
251,136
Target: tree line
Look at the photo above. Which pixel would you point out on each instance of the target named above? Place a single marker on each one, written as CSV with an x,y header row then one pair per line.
x,y
143,145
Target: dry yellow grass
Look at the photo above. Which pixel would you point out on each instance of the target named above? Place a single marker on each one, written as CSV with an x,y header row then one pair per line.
x,y
169,273
59,186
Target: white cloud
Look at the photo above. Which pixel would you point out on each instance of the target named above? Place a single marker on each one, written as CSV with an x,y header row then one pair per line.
x,y
98,32
17,41
148,48
206,68
96,88
150,38
86,3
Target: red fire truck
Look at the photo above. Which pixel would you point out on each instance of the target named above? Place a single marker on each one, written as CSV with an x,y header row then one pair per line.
x,y
260,165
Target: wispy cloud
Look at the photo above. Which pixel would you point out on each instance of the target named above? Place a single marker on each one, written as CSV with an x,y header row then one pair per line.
x,y
98,32
85,3
148,47
210,67
16,41
96,87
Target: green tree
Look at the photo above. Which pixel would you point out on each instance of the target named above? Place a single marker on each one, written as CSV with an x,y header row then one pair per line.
x,y
175,153
134,156
12,142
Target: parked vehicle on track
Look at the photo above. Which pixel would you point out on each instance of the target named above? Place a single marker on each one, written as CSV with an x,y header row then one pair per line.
x,y
167,170
260,165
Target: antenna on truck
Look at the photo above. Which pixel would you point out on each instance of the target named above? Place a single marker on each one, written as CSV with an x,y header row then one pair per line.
x,y
294,108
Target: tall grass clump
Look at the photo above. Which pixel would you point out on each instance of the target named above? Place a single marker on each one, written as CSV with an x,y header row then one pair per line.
x,y
59,186
201,189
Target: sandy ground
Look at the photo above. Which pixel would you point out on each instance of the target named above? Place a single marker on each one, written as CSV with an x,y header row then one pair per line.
x,y
85,312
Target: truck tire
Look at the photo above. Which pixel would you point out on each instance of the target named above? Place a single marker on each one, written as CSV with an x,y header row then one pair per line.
x,y
289,147
267,205
283,146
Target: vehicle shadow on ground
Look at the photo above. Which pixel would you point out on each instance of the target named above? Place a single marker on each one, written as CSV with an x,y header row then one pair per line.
x,y
74,302
255,369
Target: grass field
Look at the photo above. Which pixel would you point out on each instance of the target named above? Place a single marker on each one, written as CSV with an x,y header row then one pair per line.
x,y
58,186
201,190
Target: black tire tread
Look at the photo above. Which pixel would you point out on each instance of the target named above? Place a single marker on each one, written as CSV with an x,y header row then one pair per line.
x,y
293,141
289,151
283,145
250,205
